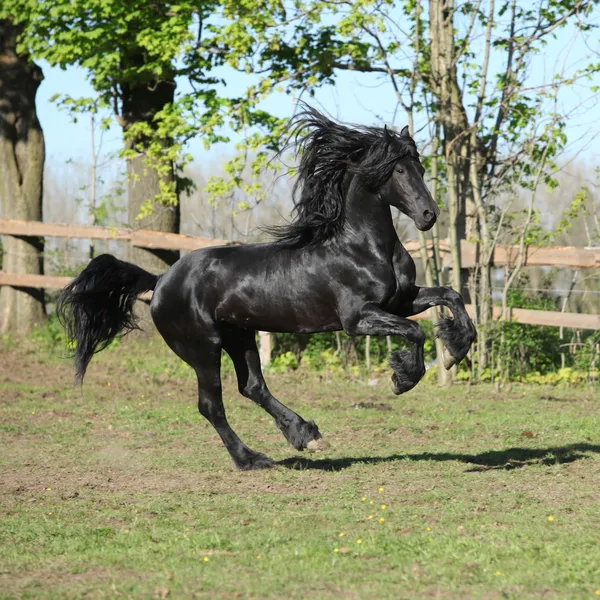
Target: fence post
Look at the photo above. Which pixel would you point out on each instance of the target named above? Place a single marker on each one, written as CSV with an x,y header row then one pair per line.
x,y
265,347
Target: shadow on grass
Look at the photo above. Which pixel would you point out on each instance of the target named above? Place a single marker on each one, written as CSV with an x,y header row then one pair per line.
x,y
510,458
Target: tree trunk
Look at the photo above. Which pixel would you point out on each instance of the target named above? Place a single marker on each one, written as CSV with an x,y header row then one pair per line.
x,y
141,103
432,266
22,156
265,349
143,185
452,117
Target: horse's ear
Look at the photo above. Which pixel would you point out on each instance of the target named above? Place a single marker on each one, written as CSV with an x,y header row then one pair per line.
x,y
405,133
386,134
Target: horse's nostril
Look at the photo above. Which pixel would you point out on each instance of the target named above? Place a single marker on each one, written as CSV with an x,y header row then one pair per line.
x,y
428,215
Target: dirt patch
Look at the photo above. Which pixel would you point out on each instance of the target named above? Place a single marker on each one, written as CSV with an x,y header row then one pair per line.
x,y
19,368
62,575
28,484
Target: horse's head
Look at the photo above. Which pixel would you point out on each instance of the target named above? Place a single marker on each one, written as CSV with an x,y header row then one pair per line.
x,y
385,164
406,189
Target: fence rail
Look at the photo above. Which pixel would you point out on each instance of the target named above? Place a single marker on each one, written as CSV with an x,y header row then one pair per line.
x,y
574,257
141,238
567,256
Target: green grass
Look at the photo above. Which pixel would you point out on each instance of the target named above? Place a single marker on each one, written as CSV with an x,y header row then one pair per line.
x,y
122,490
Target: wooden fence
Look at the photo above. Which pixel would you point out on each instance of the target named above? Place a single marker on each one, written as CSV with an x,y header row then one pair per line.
x,y
566,256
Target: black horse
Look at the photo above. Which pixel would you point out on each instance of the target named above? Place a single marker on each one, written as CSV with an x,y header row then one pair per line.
x,y
339,265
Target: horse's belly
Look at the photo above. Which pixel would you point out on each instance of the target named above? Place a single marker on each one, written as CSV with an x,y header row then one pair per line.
x,y
283,313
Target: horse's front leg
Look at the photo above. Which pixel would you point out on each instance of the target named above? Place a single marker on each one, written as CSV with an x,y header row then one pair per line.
x,y
408,365
457,334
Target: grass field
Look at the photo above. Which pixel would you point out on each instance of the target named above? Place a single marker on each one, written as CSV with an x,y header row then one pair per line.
x,y
123,490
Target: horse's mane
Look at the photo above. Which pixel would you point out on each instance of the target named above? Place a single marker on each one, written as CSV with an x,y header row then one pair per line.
x,y
329,151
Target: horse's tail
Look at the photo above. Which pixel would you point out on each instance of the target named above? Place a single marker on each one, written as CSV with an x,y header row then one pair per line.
x,y
98,305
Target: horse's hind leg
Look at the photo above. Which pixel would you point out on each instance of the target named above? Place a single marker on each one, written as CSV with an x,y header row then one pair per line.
x,y
240,344
202,351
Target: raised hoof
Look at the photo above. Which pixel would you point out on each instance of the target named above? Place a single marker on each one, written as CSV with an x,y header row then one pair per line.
x,y
257,462
400,387
457,340
317,445
408,371
448,360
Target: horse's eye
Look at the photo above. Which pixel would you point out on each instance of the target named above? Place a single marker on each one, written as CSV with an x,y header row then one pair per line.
x,y
399,171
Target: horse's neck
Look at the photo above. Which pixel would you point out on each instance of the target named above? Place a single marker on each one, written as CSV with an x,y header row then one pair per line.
x,y
368,220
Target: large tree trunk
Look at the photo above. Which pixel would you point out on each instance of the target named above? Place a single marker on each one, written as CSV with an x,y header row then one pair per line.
x,y
22,156
141,104
143,185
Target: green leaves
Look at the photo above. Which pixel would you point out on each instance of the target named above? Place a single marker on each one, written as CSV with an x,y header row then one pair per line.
x,y
577,208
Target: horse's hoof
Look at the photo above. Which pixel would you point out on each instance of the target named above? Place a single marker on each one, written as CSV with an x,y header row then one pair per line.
x,y
401,386
257,462
448,360
317,445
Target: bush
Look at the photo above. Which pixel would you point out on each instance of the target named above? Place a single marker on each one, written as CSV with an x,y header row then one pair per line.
x,y
330,351
523,352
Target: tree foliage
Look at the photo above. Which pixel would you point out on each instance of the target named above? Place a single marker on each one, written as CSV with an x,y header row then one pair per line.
x,y
125,45
298,46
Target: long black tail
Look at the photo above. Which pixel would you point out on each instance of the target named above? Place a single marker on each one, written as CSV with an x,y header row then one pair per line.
x,y
98,305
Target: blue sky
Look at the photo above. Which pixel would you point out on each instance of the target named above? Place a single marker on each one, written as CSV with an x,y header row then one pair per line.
x,y
349,100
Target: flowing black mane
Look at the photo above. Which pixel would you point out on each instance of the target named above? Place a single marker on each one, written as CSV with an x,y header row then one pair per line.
x,y
329,151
